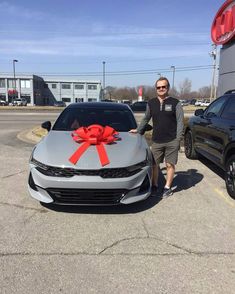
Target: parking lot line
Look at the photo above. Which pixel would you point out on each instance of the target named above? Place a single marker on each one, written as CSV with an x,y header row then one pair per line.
x,y
222,195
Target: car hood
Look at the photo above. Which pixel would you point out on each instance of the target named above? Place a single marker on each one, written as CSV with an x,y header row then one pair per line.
x,y
58,146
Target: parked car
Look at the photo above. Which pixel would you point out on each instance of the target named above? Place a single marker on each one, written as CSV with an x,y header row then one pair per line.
x,y
211,133
3,103
19,102
60,104
198,103
58,176
205,103
139,106
184,102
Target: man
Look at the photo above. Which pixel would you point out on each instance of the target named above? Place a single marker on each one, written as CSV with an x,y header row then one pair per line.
x,y
168,123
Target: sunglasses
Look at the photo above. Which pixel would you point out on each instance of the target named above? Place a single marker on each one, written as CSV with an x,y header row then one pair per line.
x,y
162,87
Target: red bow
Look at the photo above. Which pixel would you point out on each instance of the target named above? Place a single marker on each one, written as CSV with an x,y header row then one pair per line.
x,y
93,135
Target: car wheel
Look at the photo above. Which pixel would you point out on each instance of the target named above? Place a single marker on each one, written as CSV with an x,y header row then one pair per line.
x,y
230,176
189,146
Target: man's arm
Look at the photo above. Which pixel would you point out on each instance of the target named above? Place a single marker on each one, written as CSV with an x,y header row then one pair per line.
x,y
180,121
144,121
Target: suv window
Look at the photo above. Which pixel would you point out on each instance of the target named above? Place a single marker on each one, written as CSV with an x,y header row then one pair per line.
x,y
229,109
215,108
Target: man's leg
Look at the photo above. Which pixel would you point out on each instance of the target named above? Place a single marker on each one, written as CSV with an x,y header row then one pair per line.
x,y
155,175
170,172
171,157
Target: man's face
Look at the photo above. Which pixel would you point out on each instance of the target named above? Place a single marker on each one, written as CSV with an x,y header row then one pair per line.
x,y
162,88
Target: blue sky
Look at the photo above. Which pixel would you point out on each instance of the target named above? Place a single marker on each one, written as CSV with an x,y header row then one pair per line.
x,y
136,39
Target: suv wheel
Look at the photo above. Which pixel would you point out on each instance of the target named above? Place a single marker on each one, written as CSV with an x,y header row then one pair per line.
x,y
189,146
230,176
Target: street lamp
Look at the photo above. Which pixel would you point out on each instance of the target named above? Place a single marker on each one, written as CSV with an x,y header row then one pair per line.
x,y
14,73
213,54
173,78
103,78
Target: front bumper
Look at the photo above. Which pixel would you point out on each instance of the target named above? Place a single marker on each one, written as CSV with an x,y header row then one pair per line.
x,y
90,190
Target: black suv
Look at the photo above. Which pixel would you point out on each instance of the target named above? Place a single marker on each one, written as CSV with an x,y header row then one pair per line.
x,y
211,133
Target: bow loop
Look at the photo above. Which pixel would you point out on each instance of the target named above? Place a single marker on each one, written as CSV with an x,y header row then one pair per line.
x,y
93,135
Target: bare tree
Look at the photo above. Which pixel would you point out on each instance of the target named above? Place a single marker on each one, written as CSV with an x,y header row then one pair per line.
x,y
185,88
204,92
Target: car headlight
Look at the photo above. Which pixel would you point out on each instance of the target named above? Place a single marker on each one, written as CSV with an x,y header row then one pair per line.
x,y
141,164
38,164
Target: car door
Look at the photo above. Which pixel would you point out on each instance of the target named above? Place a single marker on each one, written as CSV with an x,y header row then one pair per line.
x,y
209,132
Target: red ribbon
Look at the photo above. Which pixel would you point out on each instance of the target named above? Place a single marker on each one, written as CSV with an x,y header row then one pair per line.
x,y
93,135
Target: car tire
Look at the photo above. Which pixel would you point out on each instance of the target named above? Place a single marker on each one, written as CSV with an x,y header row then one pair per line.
x,y
230,176
189,149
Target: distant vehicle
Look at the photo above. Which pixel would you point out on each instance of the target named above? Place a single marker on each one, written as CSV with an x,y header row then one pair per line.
x,y
198,102
184,102
19,102
211,133
3,103
139,106
192,101
205,103
60,104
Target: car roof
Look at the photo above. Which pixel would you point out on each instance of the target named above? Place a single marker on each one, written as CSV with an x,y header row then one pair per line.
x,y
99,105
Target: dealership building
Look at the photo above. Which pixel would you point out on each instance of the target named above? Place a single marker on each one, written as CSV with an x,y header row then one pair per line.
x,y
44,90
223,33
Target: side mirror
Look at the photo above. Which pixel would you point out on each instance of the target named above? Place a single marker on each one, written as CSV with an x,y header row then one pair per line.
x,y
199,112
46,125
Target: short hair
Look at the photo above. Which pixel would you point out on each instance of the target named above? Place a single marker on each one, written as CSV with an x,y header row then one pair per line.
x,y
163,79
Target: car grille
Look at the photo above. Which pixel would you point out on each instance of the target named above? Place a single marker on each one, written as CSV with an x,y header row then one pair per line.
x,y
86,196
103,173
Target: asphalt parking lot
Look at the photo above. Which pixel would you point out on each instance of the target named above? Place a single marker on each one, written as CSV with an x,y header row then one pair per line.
x,y
183,244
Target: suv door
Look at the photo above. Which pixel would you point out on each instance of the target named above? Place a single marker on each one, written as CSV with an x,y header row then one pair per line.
x,y
210,132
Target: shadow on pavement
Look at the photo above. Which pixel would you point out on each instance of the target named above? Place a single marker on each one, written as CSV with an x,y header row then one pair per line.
x,y
183,179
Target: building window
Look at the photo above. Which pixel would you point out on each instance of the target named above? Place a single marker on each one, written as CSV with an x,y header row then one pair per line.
x,y
66,99
2,83
3,96
92,99
92,87
66,86
54,86
25,84
78,86
79,99
11,83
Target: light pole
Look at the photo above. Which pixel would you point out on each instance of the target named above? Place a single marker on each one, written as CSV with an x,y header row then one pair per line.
x,y
173,78
14,74
213,54
103,79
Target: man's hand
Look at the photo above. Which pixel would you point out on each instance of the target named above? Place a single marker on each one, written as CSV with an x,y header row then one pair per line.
x,y
133,131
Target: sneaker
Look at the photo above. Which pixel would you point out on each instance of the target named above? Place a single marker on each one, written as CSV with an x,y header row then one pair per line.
x,y
166,192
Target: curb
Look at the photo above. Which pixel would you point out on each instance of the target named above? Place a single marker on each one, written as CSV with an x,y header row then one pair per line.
x,y
30,136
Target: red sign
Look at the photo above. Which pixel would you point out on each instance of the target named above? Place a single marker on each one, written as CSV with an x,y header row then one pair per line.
x,y
12,92
140,91
223,26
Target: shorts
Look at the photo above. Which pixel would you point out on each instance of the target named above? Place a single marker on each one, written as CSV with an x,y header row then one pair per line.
x,y
168,150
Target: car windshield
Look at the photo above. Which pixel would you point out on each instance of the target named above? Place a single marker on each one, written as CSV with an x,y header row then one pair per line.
x,y
73,118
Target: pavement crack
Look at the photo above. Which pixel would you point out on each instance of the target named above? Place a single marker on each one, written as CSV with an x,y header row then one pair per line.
x,y
145,227
24,207
32,254
14,174
120,241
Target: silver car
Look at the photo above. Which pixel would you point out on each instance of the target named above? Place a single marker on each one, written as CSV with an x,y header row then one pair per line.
x,y
124,178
